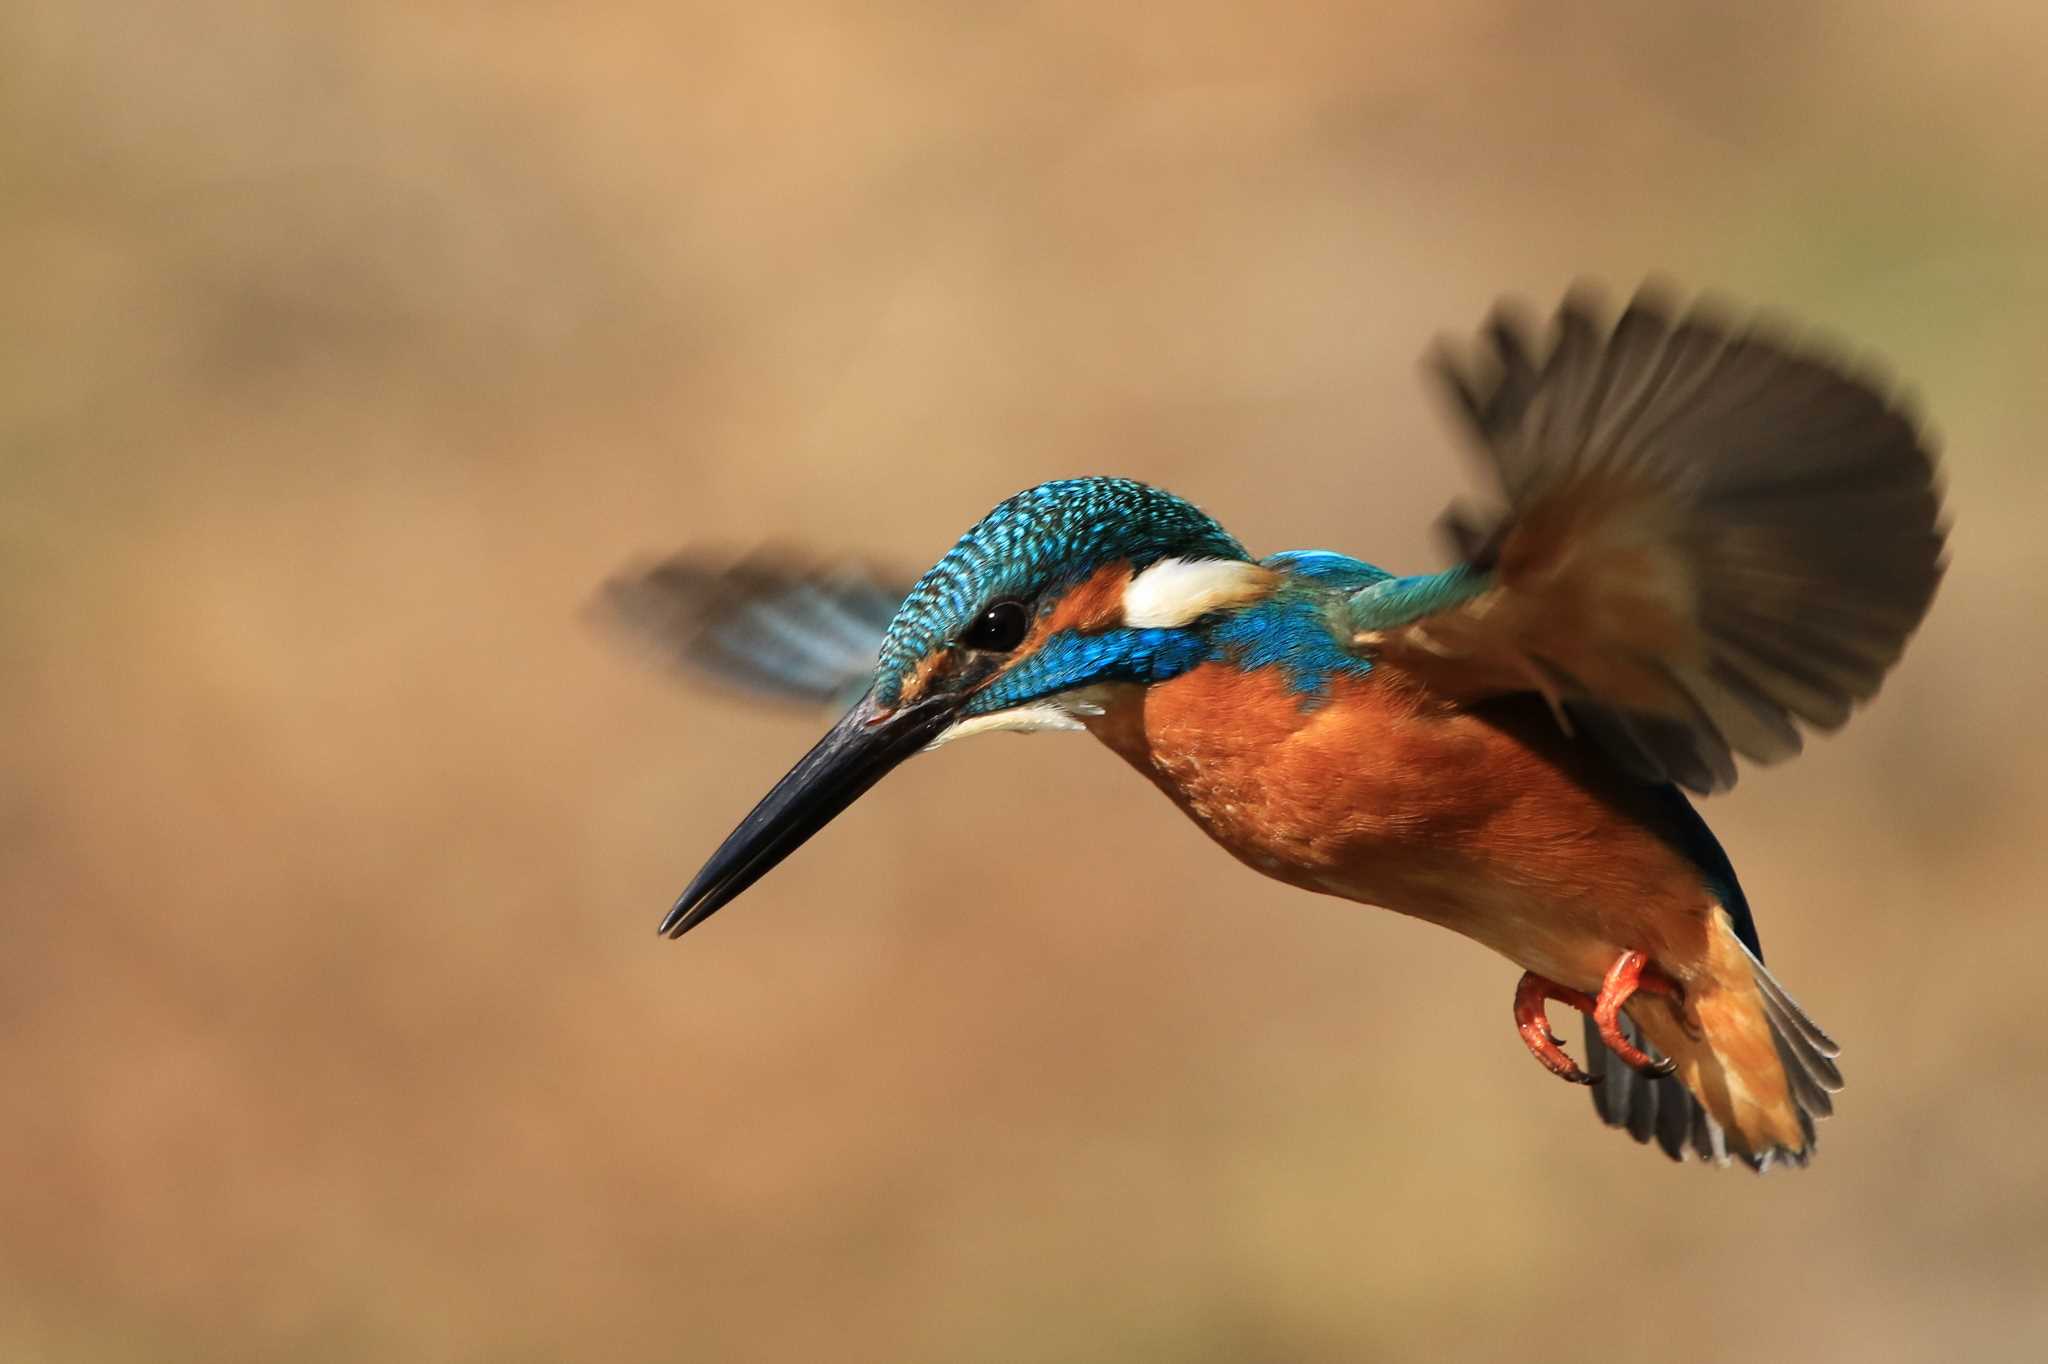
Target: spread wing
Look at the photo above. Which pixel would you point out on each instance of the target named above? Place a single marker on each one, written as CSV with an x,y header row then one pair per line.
x,y
1711,537
771,625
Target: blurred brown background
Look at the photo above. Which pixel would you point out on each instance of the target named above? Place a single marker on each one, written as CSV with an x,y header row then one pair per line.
x,y
348,345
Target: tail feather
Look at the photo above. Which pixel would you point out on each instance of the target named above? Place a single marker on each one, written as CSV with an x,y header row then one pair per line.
x,y
1814,1050
1648,1107
1680,1121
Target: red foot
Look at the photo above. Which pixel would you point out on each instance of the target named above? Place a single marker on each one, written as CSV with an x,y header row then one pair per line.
x,y
1630,975
1545,1045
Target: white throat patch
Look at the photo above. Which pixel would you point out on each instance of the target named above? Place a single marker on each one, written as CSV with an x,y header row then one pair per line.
x,y
1054,712
1173,592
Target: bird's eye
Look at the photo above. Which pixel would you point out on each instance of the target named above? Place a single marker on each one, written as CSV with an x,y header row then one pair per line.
x,y
999,629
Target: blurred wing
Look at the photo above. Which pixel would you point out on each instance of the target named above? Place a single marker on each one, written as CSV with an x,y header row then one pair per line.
x,y
1709,536
769,625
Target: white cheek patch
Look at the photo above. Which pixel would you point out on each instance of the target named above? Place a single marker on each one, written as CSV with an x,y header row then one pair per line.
x,y
1173,592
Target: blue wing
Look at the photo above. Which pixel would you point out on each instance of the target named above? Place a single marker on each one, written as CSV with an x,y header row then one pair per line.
x,y
771,625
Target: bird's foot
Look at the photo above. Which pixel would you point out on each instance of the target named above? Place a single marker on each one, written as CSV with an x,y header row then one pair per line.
x,y
1545,1045
1630,975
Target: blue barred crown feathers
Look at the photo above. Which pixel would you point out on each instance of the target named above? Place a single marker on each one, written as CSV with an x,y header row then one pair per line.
x,y
1053,534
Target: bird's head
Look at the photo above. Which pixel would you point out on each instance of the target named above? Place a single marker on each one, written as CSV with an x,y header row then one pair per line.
x,y
1065,588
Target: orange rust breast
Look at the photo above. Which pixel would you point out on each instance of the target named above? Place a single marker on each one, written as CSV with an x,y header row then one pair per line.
x,y
1488,821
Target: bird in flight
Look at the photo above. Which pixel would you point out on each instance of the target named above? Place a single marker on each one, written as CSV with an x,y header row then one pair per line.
x,y
1712,536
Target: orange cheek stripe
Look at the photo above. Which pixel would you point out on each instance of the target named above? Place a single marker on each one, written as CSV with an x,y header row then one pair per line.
x,y
1094,605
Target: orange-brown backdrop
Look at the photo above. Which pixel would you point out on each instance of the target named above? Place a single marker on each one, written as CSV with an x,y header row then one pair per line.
x,y
346,346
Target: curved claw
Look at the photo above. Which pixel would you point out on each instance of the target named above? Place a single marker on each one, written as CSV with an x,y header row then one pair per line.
x,y
1545,1045
1631,974
1624,979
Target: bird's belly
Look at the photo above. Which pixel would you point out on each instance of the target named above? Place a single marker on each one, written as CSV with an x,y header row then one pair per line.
x,y
1492,826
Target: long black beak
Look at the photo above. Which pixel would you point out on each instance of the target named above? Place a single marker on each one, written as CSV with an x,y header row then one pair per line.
x,y
857,752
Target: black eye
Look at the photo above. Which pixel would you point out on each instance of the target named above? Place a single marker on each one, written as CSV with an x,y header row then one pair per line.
x,y
999,629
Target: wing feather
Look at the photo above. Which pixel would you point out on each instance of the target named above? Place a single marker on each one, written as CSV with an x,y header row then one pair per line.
x,y
1713,536
772,625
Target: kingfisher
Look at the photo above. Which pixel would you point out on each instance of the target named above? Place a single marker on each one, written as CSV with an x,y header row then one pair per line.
x,y
1709,537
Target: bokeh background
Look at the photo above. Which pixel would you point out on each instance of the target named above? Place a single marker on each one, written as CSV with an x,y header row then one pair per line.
x,y
347,346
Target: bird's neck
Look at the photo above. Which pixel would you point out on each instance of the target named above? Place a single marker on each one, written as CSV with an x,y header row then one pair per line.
x,y
1290,633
